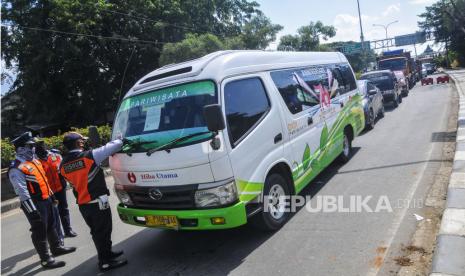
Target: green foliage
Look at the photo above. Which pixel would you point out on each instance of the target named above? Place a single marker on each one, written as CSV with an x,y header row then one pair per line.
x,y
308,37
256,33
259,32
7,152
446,19
53,142
194,46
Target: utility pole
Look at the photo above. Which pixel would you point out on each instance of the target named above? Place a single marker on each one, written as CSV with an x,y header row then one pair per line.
x,y
362,40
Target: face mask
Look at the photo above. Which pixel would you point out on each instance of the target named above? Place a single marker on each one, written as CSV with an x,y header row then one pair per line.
x,y
25,153
41,152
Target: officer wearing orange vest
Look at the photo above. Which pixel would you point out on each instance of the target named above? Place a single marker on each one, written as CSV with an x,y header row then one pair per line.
x,y
81,168
31,185
51,163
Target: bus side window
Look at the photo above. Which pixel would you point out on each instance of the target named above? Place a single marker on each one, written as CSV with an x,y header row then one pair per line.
x,y
337,76
295,97
246,103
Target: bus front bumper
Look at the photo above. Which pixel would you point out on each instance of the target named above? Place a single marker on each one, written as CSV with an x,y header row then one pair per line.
x,y
201,219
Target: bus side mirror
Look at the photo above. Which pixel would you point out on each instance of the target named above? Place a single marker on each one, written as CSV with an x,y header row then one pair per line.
x,y
214,117
94,136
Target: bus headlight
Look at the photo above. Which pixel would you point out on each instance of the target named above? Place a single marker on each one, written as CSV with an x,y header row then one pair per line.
x,y
122,195
217,196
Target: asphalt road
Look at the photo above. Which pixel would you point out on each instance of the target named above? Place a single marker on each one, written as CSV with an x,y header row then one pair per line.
x,y
396,161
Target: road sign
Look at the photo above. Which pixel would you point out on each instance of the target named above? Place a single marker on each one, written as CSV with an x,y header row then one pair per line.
x,y
409,39
354,47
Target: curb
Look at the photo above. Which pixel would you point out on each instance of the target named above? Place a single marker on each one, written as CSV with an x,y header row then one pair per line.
x,y
14,203
449,256
10,204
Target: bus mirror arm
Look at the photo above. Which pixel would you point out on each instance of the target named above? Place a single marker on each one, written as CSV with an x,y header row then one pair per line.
x,y
215,142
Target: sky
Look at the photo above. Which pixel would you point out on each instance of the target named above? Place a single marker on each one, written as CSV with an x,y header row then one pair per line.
x,y
343,15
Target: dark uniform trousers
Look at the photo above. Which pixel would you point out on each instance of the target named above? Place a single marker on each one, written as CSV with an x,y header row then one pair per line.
x,y
100,224
63,209
43,228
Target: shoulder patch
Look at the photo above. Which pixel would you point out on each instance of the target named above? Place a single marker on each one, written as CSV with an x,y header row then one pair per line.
x,y
28,168
74,166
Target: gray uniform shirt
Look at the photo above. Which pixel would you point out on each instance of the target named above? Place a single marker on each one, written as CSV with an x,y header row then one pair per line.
x,y
102,153
18,181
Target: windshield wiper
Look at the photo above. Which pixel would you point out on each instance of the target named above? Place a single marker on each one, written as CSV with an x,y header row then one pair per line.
x,y
179,140
133,144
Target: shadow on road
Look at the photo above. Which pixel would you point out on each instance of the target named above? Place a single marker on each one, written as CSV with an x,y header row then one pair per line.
x,y
10,263
444,136
391,166
158,252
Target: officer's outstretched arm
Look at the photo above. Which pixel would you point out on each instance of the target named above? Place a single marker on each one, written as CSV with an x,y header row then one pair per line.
x,y
106,151
18,180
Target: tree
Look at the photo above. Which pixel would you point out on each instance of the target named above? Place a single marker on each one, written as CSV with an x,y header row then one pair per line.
x,y
446,20
75,59
308,37
193,46
259,32
256,33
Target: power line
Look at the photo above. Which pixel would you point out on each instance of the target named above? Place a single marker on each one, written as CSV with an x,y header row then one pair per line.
x,y
158,21
151,20
88,35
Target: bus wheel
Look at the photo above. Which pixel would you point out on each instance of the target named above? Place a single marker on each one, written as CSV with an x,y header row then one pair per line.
x,y
275,202
346,149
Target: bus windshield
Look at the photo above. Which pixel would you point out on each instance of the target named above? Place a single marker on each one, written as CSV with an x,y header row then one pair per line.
x,y
154,118
393,64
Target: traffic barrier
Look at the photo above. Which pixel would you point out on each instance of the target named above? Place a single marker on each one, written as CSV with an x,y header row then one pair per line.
x,y
442,79
426,81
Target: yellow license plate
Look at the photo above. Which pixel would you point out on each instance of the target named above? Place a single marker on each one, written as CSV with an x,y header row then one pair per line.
x,y
162,221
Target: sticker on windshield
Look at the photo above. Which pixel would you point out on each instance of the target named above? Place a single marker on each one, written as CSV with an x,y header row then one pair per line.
x,y
152,119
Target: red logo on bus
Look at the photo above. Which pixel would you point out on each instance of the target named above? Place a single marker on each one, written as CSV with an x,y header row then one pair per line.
x,y
132,177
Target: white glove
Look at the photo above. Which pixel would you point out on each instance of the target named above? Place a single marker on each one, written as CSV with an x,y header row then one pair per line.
x,y
103,202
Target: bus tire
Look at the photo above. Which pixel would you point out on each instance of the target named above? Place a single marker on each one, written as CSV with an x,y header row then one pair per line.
x,y
273,216
346,153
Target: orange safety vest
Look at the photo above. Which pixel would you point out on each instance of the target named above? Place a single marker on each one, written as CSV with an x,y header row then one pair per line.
x,y
36,180
87,179
52,169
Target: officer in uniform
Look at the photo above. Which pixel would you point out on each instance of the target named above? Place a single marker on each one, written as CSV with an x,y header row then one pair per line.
x,y
51,163
31,185
81,168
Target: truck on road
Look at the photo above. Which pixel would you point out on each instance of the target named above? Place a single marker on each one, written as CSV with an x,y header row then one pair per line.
x,y
399,60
